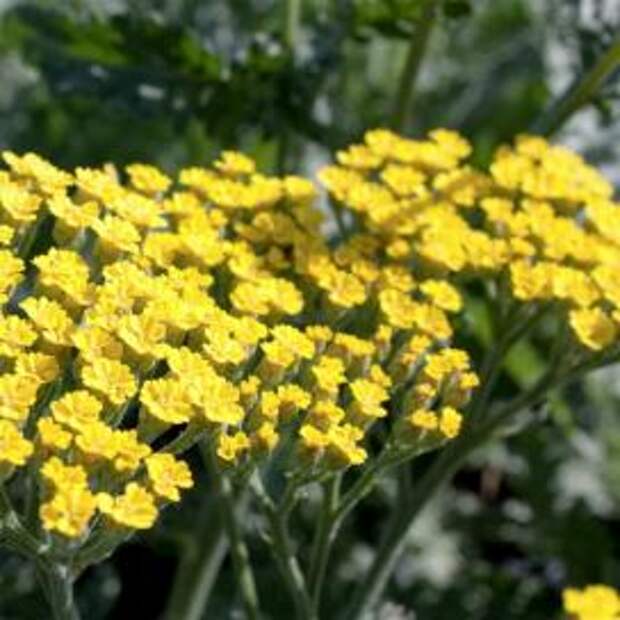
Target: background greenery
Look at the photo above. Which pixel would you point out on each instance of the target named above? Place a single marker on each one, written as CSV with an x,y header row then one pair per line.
x,y
85,82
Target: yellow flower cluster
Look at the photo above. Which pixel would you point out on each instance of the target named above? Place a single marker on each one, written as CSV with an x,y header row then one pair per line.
x,y
595,602
161,312
541,216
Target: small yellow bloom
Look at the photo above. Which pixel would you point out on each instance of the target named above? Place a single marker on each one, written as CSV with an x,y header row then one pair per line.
x,y
594,602
14,449
52,436
111,379
593,327
231,447
76,410
69,511
167,475
134,509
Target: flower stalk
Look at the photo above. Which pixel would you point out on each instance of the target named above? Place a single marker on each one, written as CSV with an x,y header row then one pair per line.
x,y
413,62
580,93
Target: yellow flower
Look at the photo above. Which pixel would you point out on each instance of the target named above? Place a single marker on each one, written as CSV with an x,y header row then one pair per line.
x,y
167,475
134,509
52,435
51,319
231,447
15,335
328,373
95,342
530,282
219,402
18,204
95,441
594,602
442,294
69,511
11,270
424,420
235,164
48,178
324,414
313,440
342,449
129,451
14,449
147,179
17,394
63,476
141,333
450,421
292,397
368,398
76,410
116,236
110,378
38,367
166,400
73,216
593,327
265,438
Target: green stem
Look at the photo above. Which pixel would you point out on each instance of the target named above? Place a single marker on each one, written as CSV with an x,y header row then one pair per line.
x,y
239,551
291,23
510,330
390,548
338,214
411,69
290,33
323,539
199,566
283,553
580,93
445,465
57,581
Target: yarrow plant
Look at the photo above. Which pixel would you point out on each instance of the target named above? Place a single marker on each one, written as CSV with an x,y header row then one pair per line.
x,y
144,317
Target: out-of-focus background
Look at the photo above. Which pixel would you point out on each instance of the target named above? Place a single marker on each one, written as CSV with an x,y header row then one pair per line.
x,y
173,82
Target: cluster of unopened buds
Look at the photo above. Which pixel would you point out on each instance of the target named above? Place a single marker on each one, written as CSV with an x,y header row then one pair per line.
x,y
143,315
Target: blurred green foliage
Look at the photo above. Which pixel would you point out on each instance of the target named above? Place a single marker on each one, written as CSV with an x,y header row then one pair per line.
x,y
174,81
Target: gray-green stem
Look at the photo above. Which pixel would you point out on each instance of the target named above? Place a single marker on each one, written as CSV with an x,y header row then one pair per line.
x,y
443,468
199,566
581,93
282,551
229,514
413,62
323,540
55,577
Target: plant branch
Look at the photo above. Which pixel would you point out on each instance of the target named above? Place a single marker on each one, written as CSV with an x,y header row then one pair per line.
x,y
411,68
439,473
580,93
199,566
239,551
283,554
323,539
